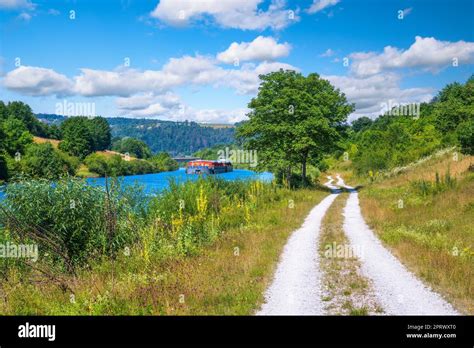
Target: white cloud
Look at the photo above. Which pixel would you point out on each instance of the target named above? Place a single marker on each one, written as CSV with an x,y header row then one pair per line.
x,y
370,94
319,5
328,53
246,80
168,106
427,53
184,71
262,48
219,116
226,13
24,16
17,4
37,81
148,93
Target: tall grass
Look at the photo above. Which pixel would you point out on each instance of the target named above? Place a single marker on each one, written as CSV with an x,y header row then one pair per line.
x,y
75,224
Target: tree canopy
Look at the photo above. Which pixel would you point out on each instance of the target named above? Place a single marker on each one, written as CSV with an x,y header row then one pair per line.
x,y
294,120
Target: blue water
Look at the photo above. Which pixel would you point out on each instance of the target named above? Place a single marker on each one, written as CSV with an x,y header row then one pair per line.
x,y
154,183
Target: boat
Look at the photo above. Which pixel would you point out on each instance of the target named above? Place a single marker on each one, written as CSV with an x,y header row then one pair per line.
x,y
208,167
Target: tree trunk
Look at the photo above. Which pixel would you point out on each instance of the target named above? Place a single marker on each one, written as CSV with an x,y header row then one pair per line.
x,y
303,170
288,176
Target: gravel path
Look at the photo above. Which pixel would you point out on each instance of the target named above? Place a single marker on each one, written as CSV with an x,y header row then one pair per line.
x,y
398,290
296,287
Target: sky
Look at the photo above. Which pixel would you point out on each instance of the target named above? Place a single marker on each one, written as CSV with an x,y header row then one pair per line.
x,y
200,60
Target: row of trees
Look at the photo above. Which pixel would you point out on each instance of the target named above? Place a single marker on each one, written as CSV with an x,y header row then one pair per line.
x,y
115,165
296,121
176,138
79,137
391,140
19,154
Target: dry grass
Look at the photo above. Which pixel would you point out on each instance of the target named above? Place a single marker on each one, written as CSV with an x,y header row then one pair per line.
x,y
39,140
227,278
345,290
432,235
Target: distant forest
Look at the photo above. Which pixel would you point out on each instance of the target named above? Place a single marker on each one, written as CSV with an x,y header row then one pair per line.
x,y
176,138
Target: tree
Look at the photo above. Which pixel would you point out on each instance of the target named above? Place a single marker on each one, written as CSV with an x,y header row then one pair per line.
x,y
3,111
77,138
23,112
163,162
43,161
361,123
454,105
465,135
100,131
133,147
294,120
16,136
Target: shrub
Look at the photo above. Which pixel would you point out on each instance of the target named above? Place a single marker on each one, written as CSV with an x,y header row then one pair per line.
x,y
43,161
69,219
465,133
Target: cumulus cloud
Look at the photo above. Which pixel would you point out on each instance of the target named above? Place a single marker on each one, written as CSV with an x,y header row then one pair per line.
x,y
17,4
246,80
319,5
169,107
371,94
37,81
228,14
149,93
262,48
125,81
426,53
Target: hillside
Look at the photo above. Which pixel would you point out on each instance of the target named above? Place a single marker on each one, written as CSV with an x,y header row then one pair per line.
x,y
176,138
424,215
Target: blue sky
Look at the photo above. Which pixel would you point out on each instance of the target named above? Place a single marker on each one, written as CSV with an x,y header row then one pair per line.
x,y
200,59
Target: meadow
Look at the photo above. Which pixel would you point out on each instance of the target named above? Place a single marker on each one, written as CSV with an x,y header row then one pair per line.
x,y
203,247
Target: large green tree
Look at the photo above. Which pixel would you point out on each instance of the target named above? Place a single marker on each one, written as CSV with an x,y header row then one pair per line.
x,y
77,137
16,136
100,132
294,120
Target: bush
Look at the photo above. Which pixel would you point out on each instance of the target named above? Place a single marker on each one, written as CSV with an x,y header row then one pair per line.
x,y
116,166
43,161
465,133
192,214
69,219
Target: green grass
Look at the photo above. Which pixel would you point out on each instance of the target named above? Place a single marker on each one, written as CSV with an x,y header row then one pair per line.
x,y
225,277
432,231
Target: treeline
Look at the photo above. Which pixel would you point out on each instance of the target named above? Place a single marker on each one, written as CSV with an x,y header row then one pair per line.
x,y
394,140
176,138
80,141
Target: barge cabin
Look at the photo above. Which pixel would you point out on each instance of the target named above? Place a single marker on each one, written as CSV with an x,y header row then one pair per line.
x,y
208,167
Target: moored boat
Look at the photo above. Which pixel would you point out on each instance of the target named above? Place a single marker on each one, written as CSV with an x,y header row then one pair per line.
x,y
208,167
